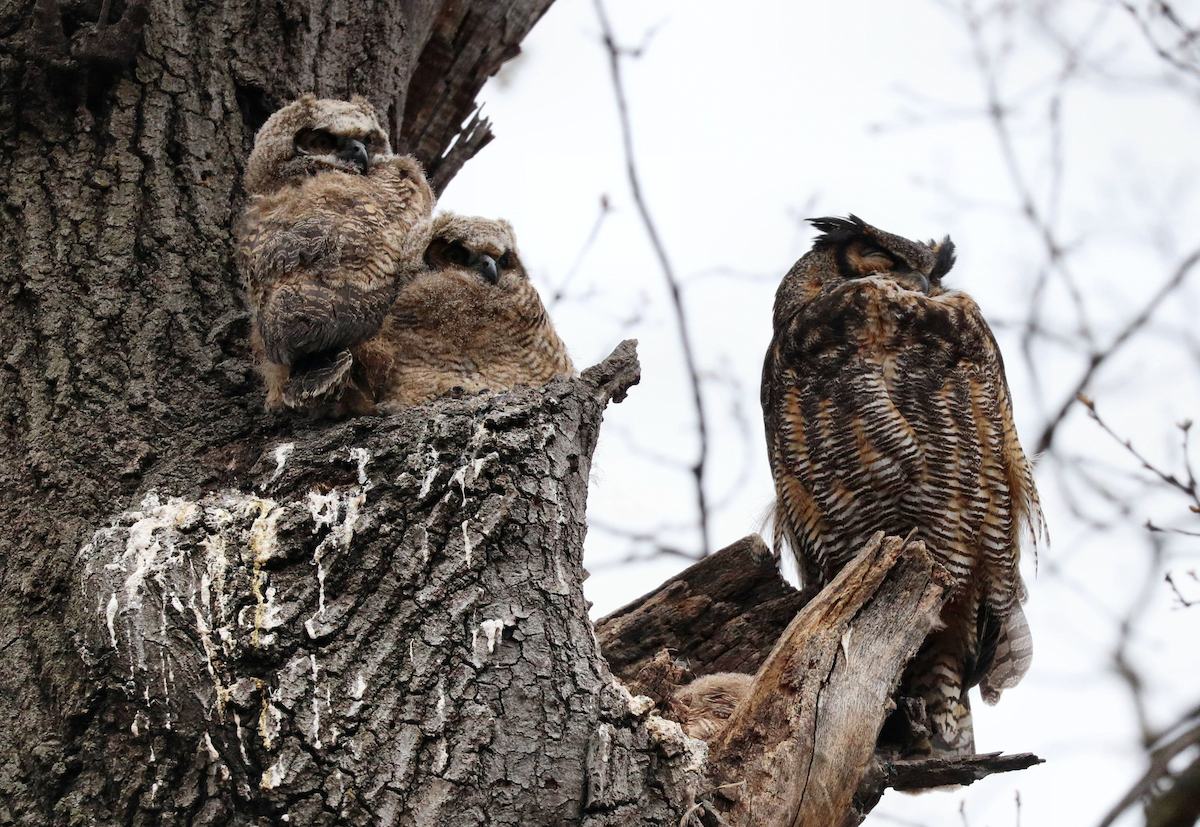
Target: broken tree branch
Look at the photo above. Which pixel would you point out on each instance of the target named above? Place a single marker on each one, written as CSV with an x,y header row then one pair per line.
x,y
802,740
723,614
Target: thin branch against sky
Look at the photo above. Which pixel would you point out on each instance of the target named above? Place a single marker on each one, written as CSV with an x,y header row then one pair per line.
x,y
674,289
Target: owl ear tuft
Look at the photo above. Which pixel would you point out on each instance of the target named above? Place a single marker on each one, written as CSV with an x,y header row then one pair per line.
x,y
945,259
837,231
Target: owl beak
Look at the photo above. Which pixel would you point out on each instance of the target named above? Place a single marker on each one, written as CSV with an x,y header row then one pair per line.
x,y
487,268
355,152
924,280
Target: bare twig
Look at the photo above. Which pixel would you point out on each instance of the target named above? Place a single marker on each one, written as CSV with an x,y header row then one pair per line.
x,y
1187,485
615,53
1126,333
560,291
1183,601
1160,759
1188,38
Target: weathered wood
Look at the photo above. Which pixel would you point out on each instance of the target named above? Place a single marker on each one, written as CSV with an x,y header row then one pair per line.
x,y
916,774
468,43
796,749
742,587
926,773
723,614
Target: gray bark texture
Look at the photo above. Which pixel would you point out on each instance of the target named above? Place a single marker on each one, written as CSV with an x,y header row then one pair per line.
x,y
124,366
390,629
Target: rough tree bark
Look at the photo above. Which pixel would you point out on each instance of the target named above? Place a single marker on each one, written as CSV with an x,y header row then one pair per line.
x,y
122,330
389,630
804,747
209,615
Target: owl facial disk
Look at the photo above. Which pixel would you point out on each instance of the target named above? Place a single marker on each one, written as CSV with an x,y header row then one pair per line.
x,y
340,151
861,258
489,267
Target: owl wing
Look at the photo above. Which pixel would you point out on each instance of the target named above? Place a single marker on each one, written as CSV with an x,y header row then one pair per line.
x,y
323,270
978,496
311,293
842,454
894,414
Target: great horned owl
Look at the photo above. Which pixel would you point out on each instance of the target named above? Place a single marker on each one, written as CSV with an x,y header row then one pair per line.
x,y
887,408
703,706
467,318
333,217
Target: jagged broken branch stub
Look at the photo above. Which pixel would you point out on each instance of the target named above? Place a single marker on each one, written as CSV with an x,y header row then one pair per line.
x,y
824,690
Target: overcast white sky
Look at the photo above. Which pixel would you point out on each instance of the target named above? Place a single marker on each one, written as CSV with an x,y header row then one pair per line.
x,y
749,117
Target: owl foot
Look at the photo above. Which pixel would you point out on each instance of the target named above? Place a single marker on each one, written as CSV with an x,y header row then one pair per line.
x,y
315,376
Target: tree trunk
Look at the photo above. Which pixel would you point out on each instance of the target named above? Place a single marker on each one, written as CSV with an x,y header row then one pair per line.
x,y
210,615
123,330
390,630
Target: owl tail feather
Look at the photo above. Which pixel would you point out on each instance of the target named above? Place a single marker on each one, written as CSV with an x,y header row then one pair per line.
x,y
1014,653
315,376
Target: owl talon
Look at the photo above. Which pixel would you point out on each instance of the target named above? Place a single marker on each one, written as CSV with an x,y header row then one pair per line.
x,y
315,376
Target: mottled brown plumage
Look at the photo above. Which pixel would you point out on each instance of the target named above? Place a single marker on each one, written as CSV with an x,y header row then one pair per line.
x,y
886,408
703,706
467,318
333,221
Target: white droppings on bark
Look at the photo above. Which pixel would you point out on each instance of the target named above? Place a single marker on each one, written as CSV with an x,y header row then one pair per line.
x,y
140,557
359,687
264,542
282,452
477,465
492,631
441,756
110,614
206,642
316,703
269,721
316,725
427,482
273,776
213,755
361,456
325,510
237,722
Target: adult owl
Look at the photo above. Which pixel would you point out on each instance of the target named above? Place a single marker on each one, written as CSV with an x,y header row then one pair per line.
x,y
333,218
465,319
887,408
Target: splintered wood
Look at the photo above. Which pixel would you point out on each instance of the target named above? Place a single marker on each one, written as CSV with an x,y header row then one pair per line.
x,y
800,749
